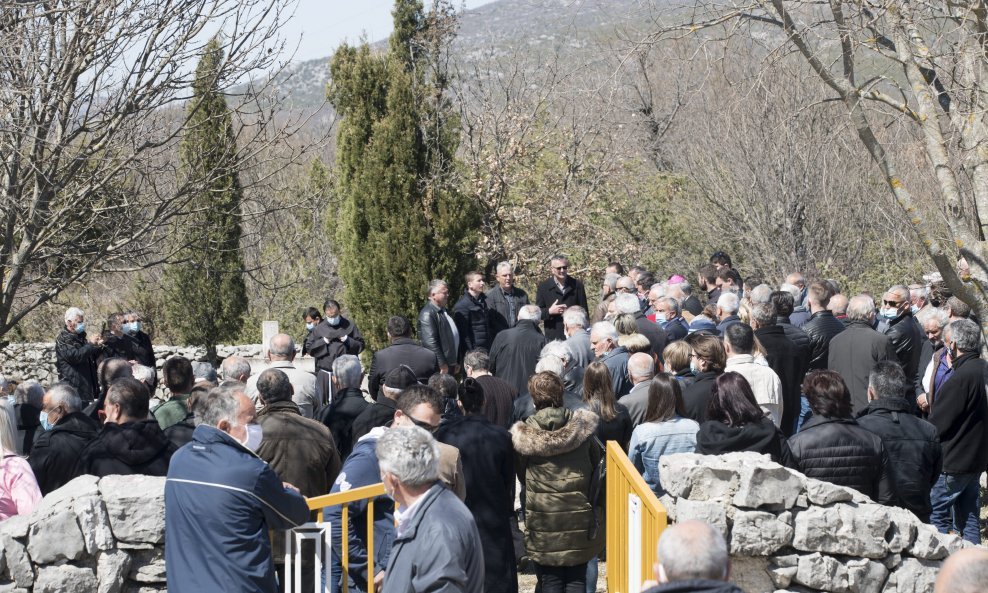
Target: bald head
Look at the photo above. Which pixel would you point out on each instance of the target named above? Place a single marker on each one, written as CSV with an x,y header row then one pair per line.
x,y
281,347
965,571
641,367
692,550
838,304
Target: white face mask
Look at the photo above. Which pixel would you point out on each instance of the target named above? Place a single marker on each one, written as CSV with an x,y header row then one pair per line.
x,y
254,437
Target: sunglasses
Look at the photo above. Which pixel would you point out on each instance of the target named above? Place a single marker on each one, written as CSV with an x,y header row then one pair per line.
x,y
561,268
424,425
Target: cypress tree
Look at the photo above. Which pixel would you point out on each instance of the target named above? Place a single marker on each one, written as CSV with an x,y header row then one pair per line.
x,y
402,220
206,296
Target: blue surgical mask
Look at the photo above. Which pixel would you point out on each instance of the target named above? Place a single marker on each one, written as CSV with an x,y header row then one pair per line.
x,y
888,313
310,326
660,318
133,327
333,320
80,328
45,424
694,366
914,309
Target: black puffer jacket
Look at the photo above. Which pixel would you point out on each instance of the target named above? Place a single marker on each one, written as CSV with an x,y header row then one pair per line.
x,y
75,359
125,449
472,318
913,449
55,454
838,451
821,328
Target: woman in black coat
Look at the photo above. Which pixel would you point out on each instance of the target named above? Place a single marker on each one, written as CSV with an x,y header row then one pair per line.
x,y
707,361
735,422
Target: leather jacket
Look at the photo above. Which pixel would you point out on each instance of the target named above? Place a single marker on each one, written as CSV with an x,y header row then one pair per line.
x,y
436,334
821,328
906,337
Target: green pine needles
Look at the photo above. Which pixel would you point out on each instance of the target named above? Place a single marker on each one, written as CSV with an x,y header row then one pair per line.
x,y
402,219
206,297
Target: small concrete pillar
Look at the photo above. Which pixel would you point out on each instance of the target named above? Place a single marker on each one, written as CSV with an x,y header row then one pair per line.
x,y
269,329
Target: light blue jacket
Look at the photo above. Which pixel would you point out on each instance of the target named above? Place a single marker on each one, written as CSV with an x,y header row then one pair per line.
x,y
652,440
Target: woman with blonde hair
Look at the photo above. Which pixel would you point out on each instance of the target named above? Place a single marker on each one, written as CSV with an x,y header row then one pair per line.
x,y
677,361
19,492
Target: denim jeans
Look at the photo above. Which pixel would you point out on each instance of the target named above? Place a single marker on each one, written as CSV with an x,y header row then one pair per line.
x,y
562,579
805,413
592,575
956,500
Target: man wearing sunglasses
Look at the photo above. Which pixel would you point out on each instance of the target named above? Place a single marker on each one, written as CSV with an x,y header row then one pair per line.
x,y
904,332
557,293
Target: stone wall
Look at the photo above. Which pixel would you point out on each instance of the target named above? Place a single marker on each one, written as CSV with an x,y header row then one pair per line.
x,y
787,532
20,362
93,535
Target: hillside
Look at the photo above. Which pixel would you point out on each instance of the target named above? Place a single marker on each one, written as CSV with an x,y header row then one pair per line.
x,y
499,27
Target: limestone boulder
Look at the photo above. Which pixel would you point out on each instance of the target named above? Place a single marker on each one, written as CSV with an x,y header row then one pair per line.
x,y
767,485
65,578
758,533
148,566
711,513
112,568
56,538
136,507
903,530
822,493
912,576
866,576
17,559
94,522
826,573
928,544
684,476
843,529
751,575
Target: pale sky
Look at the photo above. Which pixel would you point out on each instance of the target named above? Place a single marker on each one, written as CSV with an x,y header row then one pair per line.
x,y
319,26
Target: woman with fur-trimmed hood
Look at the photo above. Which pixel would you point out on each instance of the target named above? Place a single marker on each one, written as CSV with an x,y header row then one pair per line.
x,y
556,456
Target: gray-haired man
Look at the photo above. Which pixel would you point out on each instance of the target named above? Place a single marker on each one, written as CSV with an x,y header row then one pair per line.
x,y
437,539
692,559
505,299
281,353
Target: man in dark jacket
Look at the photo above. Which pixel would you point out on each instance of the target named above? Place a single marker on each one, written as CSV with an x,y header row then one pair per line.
x,y
669,316
402,351
912,444
334,336
783,302
499,395
129,443
783,358
75,358
439,542
516,351
437,330
348,403
221,500
505,300
604,340
692,559
856,350
822,326
126,340
557,293
65,432
382,411
960,414
472,316
904,332
488,468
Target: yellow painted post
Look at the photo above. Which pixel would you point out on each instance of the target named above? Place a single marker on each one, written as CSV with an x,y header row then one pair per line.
x,y
344,499
622,481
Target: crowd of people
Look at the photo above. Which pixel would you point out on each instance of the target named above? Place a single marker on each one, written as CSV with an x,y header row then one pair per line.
x,y
885,397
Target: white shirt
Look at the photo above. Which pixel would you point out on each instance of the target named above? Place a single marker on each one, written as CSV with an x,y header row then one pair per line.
x,y
765,384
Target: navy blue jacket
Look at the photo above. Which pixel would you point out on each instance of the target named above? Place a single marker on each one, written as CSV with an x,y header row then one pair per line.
x,y
220,501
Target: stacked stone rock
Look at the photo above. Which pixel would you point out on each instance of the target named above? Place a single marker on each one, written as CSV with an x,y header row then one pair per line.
x,y
93,535
20,362
787,532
